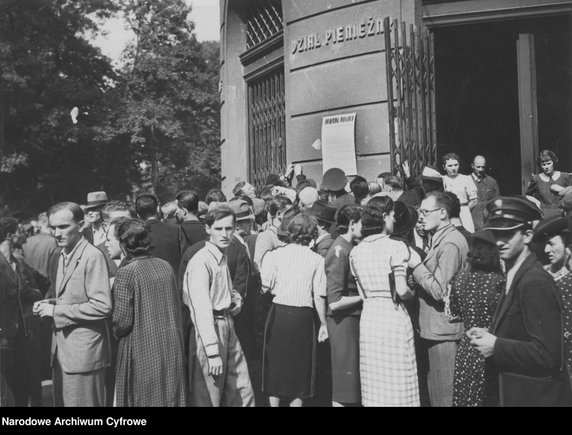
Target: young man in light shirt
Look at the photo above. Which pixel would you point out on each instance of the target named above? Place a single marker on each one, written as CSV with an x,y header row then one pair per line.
x,y
218,372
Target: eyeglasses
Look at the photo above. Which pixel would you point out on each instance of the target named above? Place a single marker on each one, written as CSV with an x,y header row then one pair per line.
x,y
426,213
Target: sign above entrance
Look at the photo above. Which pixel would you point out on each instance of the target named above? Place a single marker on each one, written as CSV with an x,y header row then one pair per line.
x,y
338,143
338,35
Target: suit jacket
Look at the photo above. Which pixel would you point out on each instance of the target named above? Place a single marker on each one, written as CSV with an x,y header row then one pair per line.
x,y
82,298
18,292
528,349
239,266
167,240
446,257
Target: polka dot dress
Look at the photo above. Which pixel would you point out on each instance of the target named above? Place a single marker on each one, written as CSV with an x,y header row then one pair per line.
x,y
565,286
474,297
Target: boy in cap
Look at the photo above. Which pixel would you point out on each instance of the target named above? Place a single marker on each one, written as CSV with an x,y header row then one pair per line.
x,y
525,340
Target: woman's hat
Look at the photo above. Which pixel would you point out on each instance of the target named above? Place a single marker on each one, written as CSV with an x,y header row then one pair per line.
x,y
431,174
405,218
485,236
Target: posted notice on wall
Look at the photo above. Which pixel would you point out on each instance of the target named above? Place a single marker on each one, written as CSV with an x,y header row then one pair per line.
x,y
338,143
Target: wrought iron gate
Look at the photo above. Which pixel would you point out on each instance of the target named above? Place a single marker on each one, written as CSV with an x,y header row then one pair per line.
x,y
410,70
267,127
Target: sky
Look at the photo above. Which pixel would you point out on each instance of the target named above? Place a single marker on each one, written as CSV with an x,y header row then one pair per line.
x,y
205,14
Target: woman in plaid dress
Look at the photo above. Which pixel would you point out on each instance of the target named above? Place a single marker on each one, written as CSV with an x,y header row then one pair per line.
x,y
388,368
147,321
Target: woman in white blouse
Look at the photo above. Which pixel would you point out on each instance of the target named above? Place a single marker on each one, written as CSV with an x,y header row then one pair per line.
x,y
296,276
461,185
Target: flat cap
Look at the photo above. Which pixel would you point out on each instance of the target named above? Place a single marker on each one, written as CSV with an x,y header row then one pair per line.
x,y
509,213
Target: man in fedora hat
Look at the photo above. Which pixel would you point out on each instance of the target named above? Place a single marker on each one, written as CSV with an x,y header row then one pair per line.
x,y
525,340
326,218
94,232
334,182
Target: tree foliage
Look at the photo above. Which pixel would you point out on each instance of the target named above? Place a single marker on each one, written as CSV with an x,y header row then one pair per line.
x,y
160,107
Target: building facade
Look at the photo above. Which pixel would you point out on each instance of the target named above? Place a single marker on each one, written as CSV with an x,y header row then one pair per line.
x,y
422,77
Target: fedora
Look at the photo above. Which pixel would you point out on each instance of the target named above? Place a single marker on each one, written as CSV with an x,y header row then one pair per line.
x,y
96,199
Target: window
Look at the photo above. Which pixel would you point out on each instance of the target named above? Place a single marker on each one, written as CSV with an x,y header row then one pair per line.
x,y
264,21
267,126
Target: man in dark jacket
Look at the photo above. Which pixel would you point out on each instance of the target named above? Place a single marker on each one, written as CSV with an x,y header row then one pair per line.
x,y
525,340
166,239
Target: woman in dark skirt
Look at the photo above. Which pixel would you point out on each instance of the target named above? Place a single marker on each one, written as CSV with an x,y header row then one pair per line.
x,y
295,276
344,309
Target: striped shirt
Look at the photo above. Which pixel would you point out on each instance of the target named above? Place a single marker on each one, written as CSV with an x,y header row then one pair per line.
x,y
294,274
207,286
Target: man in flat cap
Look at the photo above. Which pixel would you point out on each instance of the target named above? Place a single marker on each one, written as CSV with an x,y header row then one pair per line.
x,y
525,341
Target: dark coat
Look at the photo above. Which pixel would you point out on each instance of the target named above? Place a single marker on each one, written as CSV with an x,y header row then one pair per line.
x,y
147,321
528,349
166,242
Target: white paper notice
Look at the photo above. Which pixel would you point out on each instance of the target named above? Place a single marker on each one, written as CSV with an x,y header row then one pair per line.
x,y
338,143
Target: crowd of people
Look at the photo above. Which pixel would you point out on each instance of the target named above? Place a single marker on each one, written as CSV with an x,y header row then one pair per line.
x,y
401,291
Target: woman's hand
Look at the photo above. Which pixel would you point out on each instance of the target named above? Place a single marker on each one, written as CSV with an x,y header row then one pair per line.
x,y
556,188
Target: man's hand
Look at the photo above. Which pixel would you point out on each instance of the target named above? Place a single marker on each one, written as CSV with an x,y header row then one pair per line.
x,y
482,340
43,309
406,170
322,334
215,366
235,307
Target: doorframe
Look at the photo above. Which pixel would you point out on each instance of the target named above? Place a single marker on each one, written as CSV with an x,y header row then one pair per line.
x,y
437,13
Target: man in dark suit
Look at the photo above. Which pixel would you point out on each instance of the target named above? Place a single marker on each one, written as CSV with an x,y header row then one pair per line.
x,y
188,213
166,238
525,340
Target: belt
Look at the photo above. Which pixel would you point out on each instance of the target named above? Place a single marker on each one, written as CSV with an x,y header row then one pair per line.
x,y
220,313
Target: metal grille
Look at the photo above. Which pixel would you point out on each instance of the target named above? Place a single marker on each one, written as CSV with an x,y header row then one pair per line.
x,y
410,67
267,127
264,21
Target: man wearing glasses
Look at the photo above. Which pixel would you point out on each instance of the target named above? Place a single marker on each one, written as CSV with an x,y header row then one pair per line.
x,y
446,257
525,340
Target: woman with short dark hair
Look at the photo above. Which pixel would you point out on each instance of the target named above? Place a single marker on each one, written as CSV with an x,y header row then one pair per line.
x,y
473,299
548,185
150,369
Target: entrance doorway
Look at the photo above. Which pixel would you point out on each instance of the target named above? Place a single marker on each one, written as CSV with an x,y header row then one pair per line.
x,y
493,100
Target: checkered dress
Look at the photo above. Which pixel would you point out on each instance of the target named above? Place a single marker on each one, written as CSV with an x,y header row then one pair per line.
x,y
388,368
147,321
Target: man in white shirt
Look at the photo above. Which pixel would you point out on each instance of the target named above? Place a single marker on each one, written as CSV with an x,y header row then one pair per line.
x,y
218,372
